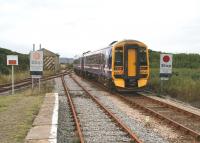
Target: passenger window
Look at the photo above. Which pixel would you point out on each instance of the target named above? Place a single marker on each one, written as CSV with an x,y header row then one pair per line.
x,y
110,61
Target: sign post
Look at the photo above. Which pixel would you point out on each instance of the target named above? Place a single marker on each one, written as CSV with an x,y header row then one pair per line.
x,y
36,66
165,68
13,88
12,60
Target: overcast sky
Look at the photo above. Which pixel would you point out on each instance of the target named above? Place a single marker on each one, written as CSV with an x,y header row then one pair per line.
x,y
70,27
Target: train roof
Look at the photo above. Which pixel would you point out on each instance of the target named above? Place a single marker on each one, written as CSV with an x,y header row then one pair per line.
x,y
88,53
114,43
131,41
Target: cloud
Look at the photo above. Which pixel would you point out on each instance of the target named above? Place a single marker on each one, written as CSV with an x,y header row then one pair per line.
x,y
72,27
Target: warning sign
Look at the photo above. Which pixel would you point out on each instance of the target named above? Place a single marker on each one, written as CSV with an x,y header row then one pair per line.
x,y
165,65
36,61
12,59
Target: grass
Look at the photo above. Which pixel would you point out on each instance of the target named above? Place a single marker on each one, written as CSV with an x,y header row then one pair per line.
x,y
183,85
19,76
18,111
6,101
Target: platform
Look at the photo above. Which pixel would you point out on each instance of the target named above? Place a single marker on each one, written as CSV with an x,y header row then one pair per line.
x,y
44,129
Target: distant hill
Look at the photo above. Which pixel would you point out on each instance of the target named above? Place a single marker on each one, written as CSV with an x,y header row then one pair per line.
x,y
179,60
66,60
23,61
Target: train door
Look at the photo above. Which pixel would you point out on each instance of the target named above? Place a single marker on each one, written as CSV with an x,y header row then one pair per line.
x,y
132,62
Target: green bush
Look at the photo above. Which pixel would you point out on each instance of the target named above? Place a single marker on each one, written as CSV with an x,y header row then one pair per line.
x,y
183,86
23,60
191,61
185,81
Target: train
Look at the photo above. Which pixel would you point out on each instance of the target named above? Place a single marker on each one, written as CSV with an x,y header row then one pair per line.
x,y
123,65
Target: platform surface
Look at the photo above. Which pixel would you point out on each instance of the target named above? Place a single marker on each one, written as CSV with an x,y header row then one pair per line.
x,y
44,129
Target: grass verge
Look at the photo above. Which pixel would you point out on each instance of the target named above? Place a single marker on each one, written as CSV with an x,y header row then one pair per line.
x,y
18,111
20,76
183,85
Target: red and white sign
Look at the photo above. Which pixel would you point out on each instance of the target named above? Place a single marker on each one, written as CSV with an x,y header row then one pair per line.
x,y
36,61
165,63
12,59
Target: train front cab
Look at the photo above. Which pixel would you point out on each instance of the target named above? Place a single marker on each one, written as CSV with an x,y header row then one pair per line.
x,y
130,65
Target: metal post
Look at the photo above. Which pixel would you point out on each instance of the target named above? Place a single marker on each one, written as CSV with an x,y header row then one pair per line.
x,y
39,84
32,83
13,92
33,47
161,86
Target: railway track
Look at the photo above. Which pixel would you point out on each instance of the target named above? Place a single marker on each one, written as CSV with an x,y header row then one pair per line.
x,y
66,126
94,122
26,82
9,84
180,119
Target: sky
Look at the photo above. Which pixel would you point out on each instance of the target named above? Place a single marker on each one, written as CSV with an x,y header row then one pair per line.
x,y
71,27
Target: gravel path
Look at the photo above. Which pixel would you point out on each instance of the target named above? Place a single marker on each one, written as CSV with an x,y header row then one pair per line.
x,y
144,133
160,127
147,135
96,125
66,125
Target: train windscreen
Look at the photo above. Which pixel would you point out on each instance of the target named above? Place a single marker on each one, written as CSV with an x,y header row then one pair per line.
x,y
119,56
143,56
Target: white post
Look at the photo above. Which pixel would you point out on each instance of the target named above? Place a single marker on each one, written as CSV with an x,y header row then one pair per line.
x,y
13,90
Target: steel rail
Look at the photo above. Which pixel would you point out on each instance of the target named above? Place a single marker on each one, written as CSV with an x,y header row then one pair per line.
x,y
193,133
10,84
72,107
26,83
117,120
29,79
172,107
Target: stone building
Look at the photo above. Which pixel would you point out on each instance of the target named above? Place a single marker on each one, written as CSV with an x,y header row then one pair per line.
x,y
51,60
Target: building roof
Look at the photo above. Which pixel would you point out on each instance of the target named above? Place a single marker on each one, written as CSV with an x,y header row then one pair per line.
x,y
47,52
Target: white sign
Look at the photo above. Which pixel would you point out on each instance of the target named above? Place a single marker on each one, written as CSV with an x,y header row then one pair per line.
x,y
36,61
12,59
165,63
36,76
164,78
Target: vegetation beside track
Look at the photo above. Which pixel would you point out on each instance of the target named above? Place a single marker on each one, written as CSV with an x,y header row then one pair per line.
x,y
23,60
185,80
20,76
4,78
21,70
191,61
18,111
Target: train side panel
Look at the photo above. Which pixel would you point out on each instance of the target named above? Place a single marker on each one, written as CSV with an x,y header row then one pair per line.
x,y
98,64
124,65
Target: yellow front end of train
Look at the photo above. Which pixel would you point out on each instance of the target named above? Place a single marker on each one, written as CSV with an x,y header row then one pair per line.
x,y
130,64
